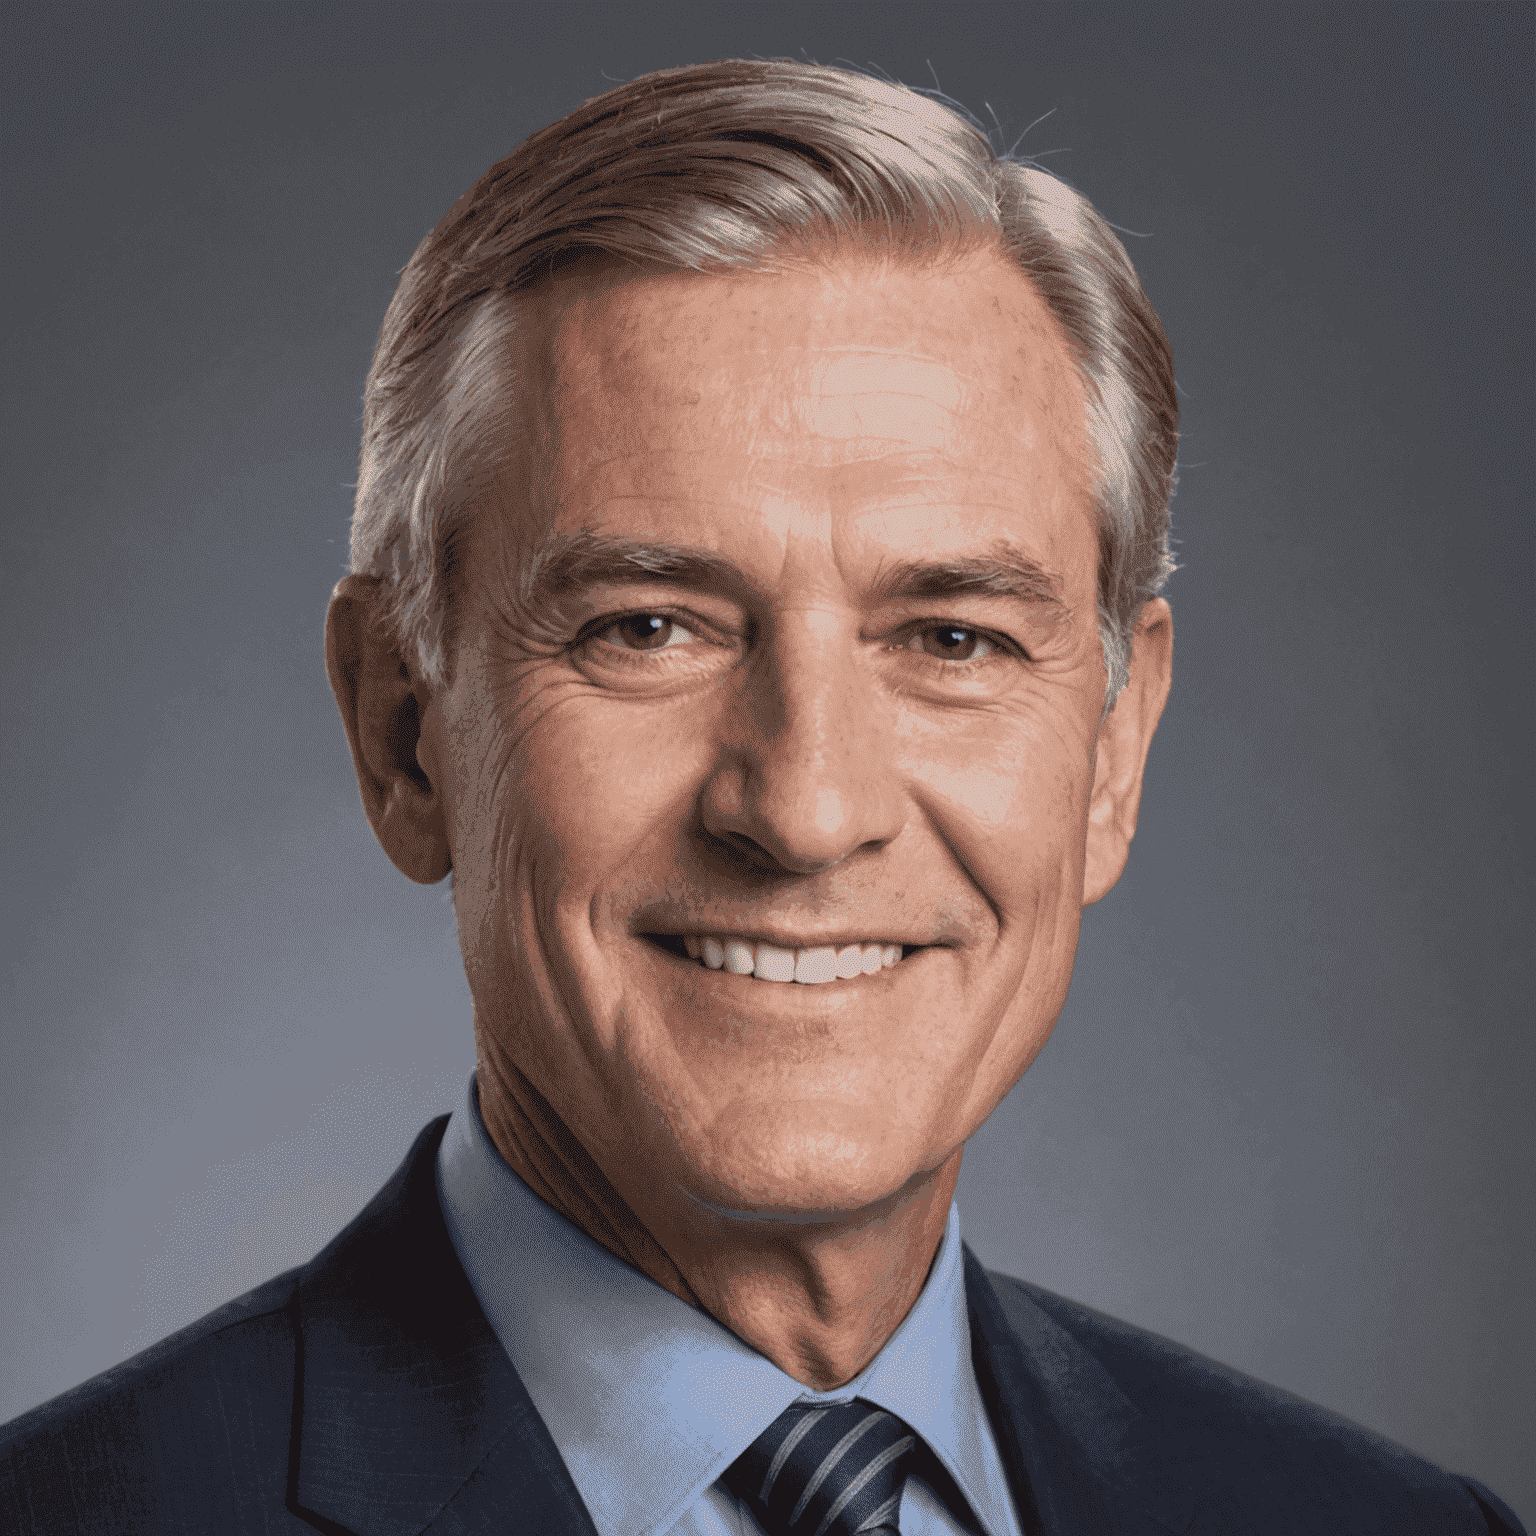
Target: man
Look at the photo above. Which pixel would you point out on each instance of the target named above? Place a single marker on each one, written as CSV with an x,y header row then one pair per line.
x,y
754,605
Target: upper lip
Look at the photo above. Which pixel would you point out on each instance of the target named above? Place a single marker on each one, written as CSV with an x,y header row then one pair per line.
x,y
758,935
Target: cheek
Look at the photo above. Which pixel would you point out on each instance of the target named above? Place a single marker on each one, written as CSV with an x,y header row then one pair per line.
x,y
1008,794
596,778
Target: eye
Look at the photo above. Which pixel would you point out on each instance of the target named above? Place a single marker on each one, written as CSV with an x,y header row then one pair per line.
x,y
645,632
952,642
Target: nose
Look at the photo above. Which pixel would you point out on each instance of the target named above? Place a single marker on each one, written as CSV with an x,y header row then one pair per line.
x,y
807,774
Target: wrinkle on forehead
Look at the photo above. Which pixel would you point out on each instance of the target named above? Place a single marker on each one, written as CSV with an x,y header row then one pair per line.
x,y
829,395
613,359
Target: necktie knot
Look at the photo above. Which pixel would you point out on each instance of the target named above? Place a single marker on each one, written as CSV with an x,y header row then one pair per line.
x,y
826,1471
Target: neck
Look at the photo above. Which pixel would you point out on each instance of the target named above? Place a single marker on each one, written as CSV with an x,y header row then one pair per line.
x,y
818,1298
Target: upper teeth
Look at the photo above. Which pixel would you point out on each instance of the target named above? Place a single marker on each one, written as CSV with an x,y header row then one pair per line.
x,y
770,963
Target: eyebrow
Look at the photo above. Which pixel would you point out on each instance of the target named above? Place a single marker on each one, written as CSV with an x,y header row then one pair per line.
x,y
1003,572
574,563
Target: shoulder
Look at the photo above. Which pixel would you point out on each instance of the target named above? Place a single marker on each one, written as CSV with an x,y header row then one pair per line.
x,y
1242,1440
199,1432
205,1410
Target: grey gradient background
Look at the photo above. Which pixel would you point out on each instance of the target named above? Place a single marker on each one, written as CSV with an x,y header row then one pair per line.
x,y
1286,1116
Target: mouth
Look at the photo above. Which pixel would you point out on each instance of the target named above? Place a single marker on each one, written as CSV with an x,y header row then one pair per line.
x,y
814,965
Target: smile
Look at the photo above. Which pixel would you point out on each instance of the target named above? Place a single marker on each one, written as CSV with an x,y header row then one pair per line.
x,y
812,966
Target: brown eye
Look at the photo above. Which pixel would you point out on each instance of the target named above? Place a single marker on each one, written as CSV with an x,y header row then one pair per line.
x,y
645,632
949,642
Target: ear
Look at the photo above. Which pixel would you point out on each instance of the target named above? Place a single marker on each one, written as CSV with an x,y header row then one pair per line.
x,y
381,709
1121,758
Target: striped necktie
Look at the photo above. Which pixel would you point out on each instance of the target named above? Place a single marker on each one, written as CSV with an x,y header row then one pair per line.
x,y
826,1471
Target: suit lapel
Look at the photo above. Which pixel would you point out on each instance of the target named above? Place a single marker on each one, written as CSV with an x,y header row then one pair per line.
x,y
410,1417
1081,1459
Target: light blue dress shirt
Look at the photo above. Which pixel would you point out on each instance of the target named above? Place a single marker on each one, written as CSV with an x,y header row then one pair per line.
x,y
650,1399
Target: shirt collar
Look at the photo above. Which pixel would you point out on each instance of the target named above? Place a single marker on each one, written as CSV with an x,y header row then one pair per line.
x,y
650,1399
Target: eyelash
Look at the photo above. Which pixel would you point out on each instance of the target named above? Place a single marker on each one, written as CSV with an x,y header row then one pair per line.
x,y
1000,642
599,627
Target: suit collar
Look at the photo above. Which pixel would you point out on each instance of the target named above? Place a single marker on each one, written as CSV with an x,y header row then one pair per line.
x,y
409,1416
1089,1459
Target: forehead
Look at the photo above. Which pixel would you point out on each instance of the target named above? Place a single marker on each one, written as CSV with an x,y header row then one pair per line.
x,y
843,387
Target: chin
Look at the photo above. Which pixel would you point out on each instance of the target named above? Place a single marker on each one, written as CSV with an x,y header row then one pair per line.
x,y
807,1162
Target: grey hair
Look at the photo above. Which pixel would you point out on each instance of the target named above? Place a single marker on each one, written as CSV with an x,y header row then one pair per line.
x,y
740,164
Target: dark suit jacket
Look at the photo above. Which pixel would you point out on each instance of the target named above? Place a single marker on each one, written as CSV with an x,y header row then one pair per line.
x,y
365,1392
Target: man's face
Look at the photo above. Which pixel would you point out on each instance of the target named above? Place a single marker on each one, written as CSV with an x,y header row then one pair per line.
x,y
852,701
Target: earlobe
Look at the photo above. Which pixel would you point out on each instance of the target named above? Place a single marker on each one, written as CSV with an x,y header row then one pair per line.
x,y
381,712
1121,754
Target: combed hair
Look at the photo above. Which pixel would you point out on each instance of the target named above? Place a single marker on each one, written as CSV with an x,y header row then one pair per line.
x,y
739,164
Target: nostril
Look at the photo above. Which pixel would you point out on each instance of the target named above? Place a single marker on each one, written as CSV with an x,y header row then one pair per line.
x,y
749,850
